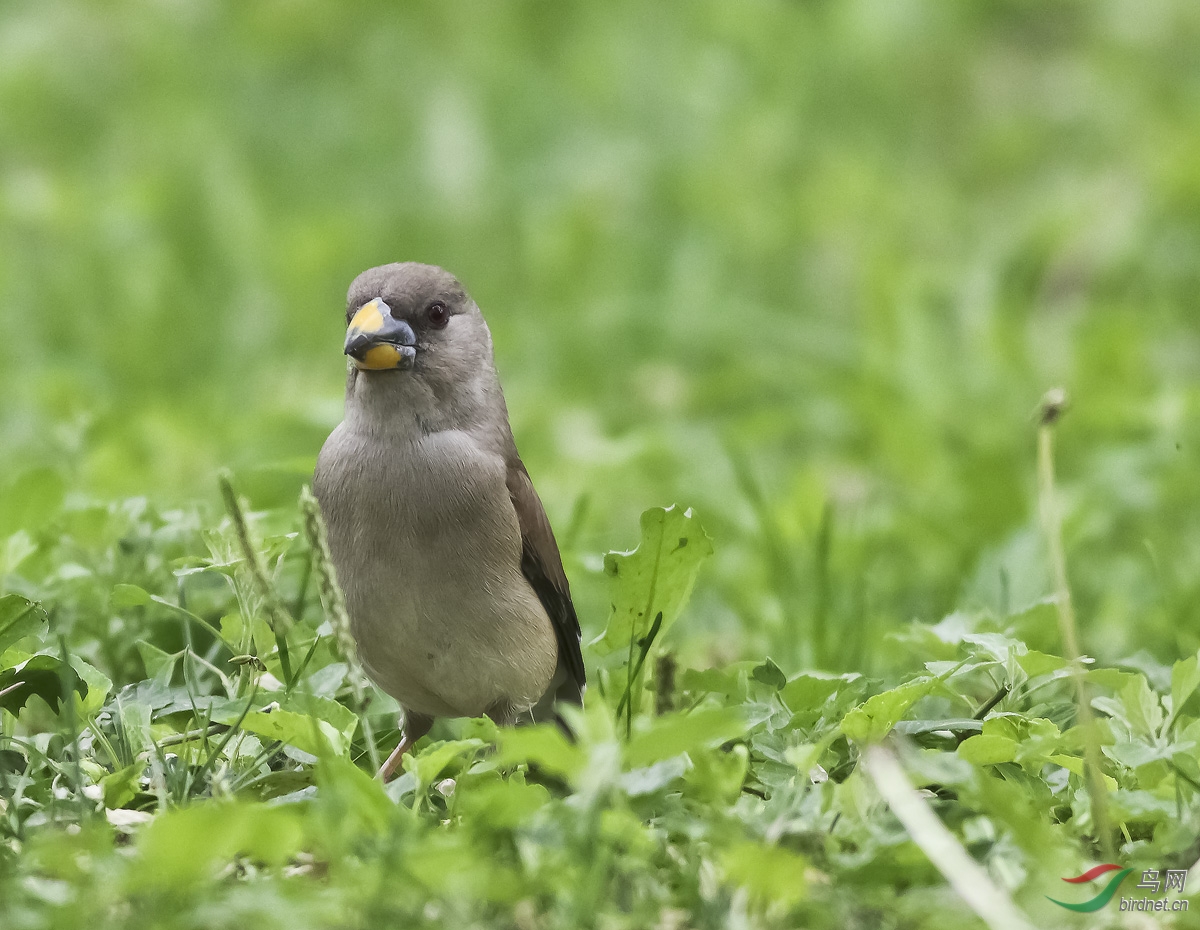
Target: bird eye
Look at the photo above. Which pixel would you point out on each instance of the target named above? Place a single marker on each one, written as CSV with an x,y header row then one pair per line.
x,y
438,313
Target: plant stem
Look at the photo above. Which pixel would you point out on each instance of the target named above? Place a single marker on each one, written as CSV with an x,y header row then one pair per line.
x,y
334,603
281,620
67,705
968,879
821,573
1053,406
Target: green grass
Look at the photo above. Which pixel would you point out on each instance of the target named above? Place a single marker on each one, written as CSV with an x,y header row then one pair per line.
x,y
805,267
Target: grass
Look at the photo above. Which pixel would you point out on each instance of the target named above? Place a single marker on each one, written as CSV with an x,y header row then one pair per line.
x,y
807,268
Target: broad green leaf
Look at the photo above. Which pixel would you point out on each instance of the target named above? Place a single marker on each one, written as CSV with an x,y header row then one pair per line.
x,y
951,724
643,781
873,720
121,787
309,734
1187,763
311,724
1112,678
154,658
655,578
128,595
19,617
185,847
1135,754
671,735
717,776
98,685
1035,663
988,750
1143,710
1040,740
543,745
769,873
1035,738
809,690
1075,766
1185,679
352,802
501,805
134,718
1141,806
727,681
41,675
260,641
434,760
769,674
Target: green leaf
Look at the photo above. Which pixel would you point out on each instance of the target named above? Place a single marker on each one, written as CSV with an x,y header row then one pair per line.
x,y
308,734
1135,754
988,750
727,681
769,873
434,760
873,720
1185,679
19,617
185,847
98,685
154,658
544,746
1075,766
121,787
951,724
41,675
311,724
654,578
769,674
260,639
652,778
500,805
717,776
1143,710
134,717
1035,663
128,595
677,733
810,690
352,802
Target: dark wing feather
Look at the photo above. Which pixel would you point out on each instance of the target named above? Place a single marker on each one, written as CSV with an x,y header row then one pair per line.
x,y
542,567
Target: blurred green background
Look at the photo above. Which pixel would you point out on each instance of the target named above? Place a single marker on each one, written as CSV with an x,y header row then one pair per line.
x,y
805,266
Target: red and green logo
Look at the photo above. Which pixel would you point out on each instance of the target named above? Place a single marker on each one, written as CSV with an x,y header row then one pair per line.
x,y
1106,893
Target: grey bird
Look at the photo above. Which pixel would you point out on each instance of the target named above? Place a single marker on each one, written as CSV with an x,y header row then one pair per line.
x,y
453,580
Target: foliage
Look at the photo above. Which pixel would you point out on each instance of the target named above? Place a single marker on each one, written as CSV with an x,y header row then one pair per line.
x,y
205,787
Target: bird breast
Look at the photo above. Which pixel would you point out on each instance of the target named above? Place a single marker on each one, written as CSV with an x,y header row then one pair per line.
x,y
427,548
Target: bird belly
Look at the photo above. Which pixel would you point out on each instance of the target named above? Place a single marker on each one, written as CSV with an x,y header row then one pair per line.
x,y
428,549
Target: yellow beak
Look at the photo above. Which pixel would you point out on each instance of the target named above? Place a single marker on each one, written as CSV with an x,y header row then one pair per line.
x,y
378,341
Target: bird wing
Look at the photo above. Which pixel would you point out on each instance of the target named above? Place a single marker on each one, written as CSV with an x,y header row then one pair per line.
x,y
542,567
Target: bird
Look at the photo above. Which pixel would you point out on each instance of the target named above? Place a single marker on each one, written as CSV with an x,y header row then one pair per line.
x,y
453,581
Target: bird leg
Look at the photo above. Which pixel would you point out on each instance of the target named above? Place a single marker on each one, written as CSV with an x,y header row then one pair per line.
x,y
388,769
412,729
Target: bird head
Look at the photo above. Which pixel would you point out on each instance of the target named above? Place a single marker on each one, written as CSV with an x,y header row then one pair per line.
x,y
414,318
